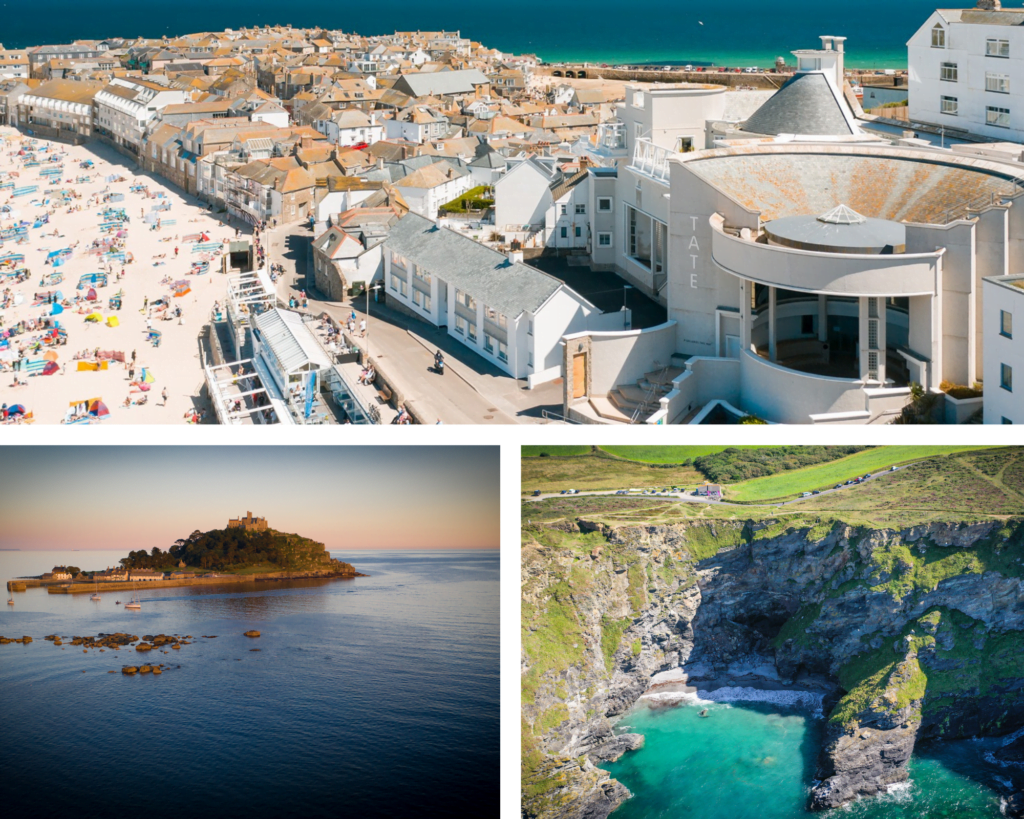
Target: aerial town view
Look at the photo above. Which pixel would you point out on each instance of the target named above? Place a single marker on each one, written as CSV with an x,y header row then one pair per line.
x,y
770,633
272,224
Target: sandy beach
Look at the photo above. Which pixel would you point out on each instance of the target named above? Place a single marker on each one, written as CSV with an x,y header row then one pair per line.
x,y
75,205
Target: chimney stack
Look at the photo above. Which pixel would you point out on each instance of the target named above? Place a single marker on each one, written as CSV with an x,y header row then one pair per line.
x,y
840,69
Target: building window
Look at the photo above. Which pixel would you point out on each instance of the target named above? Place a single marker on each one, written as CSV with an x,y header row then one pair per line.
x,y
938,37
1005,324
638,99
565,233
502,351
999,117
999,83
394,284
529,328
563,210
873,366
997,48
604,204
460,325
948,72
529,362
638,129
581,209
579,232
1006,377
471,330
604,240
948,105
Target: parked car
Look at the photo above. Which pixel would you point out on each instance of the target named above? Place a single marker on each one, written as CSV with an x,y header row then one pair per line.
x,y
688,68
806,495
816,492
838,486
565,492
536,493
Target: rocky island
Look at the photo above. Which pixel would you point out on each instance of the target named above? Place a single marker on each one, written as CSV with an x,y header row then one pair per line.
x,y
246,550
898,603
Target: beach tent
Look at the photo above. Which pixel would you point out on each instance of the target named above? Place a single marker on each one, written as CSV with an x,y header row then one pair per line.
x,y
51,355
91,295
146,377
181,289
50,368
112,321
98,409
57,310
94,317
16,409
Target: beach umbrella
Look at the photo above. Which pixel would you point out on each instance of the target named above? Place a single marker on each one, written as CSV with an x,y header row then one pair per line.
x,y
51,355
57,309
16,409
99,409
50,368
147,377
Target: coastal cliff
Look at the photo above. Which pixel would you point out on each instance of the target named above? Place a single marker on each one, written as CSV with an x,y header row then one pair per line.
x,y
914,633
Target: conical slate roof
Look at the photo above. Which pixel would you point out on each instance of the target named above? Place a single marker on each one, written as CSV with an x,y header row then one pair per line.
x,y
805,105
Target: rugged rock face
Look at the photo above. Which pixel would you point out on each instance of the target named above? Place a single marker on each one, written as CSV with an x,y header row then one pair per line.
x,y
920,631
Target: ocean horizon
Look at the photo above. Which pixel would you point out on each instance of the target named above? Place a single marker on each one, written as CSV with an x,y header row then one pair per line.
x,y
740,33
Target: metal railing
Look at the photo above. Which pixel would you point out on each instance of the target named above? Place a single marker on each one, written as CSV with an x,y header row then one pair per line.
x,y
980,204
651,160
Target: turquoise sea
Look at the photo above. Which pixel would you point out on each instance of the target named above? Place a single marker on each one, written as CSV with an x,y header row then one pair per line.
x,y
368,697
756,761
737,33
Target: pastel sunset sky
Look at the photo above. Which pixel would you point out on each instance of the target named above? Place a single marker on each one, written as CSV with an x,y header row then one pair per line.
x,y
348,497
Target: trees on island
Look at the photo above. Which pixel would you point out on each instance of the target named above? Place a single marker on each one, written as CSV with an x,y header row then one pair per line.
x,y
228,548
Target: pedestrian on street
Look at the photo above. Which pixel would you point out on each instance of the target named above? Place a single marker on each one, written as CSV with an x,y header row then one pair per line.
x,y
362,328
163,394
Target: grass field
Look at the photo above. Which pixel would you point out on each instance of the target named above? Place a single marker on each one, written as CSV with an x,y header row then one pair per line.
x,y
824,476
556,474
554,451
664,454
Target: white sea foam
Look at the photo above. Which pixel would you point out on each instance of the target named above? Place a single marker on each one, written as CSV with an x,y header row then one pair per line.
x,y
801,699
991,759
1011,737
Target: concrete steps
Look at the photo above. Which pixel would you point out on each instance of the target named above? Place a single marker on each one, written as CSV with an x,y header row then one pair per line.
x,y
605,409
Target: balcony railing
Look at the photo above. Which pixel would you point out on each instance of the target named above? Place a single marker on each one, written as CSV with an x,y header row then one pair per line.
x,y
651,160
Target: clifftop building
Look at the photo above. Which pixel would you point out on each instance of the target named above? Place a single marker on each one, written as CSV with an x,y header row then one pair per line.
x,y
249,523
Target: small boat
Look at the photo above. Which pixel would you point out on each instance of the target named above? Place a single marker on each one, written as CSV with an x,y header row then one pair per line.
x,y
117,603
96,594
134,602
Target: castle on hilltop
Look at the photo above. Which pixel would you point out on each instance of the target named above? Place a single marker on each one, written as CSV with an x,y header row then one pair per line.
x,y
249,523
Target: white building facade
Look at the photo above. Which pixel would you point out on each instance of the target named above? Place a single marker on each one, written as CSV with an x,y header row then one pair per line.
x,y
1004,350
966,71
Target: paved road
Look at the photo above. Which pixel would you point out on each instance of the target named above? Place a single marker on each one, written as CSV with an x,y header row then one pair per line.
x,y
472,391
690,498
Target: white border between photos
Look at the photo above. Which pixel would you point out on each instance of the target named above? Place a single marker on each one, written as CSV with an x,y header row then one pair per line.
x,y
510,438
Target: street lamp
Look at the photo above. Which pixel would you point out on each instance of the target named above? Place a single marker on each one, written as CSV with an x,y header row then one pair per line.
x,y
366,345
625,289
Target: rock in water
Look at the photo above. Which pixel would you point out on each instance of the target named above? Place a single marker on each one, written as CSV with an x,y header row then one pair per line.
x,y
616,747
129,669
253,633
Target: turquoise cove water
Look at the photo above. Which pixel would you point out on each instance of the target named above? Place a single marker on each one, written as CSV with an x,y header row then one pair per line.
x,y
756,761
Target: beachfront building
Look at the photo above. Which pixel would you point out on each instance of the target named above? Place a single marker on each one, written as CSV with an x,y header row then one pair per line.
x,y
964,71
811,272
40,56
111,575
145,575
510,313
60,573
127,105
350,252
536,202
61,110
1004,351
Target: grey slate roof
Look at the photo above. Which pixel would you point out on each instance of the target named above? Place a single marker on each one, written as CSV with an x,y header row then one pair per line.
x,y
440,83
805,105
485,274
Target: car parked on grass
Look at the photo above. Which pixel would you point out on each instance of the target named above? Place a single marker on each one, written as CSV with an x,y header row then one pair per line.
x,y
838,486
536,493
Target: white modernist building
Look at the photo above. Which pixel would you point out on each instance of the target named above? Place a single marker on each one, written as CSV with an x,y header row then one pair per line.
x,y
1004,351
512,314
811,272
966,71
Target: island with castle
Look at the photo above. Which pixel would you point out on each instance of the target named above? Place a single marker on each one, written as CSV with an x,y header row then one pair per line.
x,y
245,550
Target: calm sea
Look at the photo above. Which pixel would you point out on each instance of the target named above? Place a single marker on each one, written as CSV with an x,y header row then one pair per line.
x,y
374,696
737,33
756,761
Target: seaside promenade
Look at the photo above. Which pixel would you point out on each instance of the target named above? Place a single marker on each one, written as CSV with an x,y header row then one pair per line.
x,y
153,288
